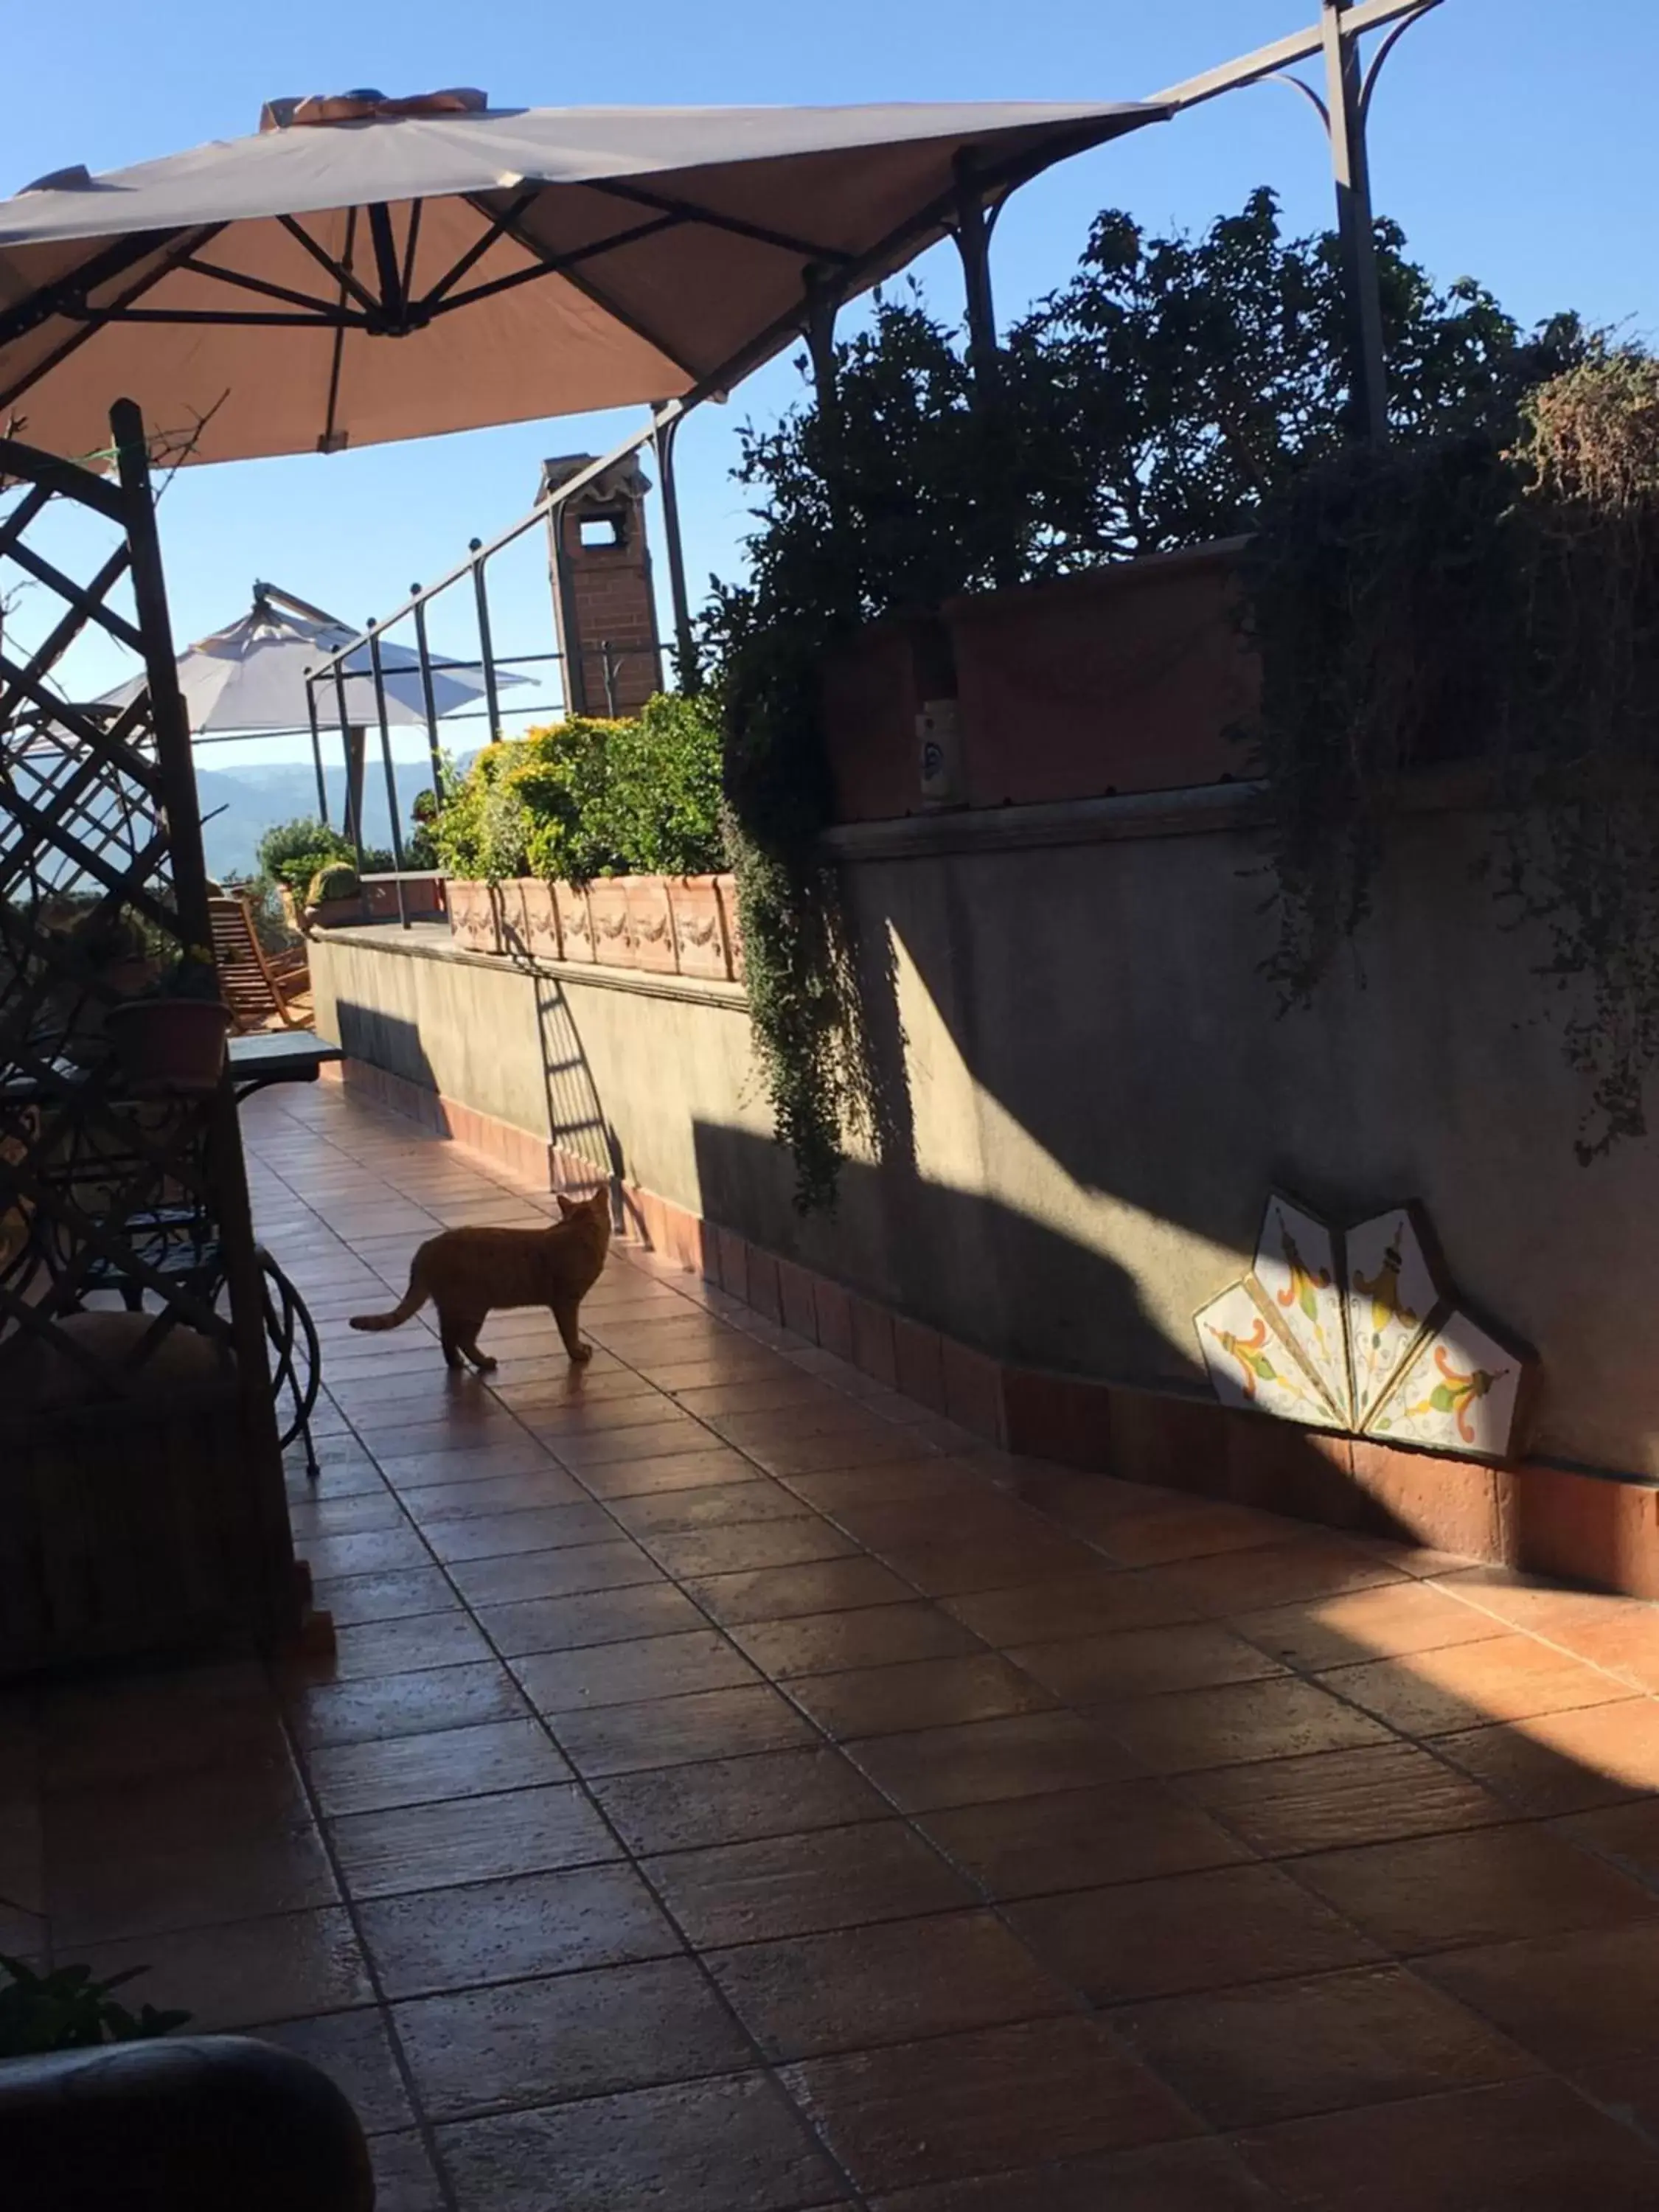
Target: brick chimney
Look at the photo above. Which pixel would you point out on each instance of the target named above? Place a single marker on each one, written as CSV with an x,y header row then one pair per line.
x,y
603,603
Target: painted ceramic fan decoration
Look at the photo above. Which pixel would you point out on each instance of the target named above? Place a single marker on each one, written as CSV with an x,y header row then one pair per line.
x,y
1360,1329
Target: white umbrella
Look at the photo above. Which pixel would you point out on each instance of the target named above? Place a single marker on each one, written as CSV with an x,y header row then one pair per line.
x,y
366,269
251,675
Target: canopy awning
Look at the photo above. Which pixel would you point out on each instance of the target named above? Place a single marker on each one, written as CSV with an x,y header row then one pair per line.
x,y
437,265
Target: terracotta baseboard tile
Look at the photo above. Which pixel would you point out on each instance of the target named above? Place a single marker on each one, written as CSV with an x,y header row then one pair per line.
x,y
1447,1505
732,1252
835,1311
872,1340
763,1292
1179,1443
1058,1417
973,1391
799,1309
918,1362
1584,1529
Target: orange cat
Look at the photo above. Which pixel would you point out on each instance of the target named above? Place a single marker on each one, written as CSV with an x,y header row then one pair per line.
x,y
469,1272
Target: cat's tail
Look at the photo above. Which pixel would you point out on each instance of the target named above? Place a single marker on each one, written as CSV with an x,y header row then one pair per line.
x,y
413,1299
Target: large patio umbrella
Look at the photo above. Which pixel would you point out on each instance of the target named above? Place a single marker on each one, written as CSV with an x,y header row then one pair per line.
x,y
251,675
366,269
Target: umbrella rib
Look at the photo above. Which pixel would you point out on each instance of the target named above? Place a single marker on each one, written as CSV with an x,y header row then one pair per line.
x,y
260,285
559,265
297,231
585,284
498,227
40,306
689,211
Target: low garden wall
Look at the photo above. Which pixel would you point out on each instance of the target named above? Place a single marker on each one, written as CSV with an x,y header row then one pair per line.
x,y
1089,1097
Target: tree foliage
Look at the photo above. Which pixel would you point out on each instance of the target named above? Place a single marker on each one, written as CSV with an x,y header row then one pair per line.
x,y
1158,399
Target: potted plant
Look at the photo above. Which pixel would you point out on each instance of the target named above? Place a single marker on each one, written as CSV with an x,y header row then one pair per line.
x,y
334,897
171,1039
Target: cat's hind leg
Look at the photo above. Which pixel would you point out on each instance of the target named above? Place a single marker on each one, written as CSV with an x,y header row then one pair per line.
x,y
466,1335
449,1332
565,1313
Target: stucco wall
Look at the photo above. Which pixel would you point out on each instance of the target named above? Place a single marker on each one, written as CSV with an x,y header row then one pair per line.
x,y
1093,1093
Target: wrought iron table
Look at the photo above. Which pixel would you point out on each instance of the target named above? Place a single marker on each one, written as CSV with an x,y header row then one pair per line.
x,y
179,1240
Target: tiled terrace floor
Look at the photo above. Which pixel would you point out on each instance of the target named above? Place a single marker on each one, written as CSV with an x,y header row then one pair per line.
x,y
737,1792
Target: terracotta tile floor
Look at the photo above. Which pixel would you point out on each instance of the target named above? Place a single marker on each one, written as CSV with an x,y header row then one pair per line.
x,y
736,1790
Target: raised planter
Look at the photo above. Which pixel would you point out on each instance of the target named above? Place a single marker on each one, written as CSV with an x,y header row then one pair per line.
x,y
423,899
702,945
1125,678
613,928
659,924
650,923
575,922
874,688
338,914
475,914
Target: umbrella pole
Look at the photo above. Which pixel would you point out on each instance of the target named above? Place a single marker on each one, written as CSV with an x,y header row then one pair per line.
x,y
391,773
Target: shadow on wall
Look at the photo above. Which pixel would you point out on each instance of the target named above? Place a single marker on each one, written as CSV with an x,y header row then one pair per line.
x,y
575,1118
1091,1039
374,1039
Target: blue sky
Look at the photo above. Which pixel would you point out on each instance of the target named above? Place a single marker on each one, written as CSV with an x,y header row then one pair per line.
x,y
1508,136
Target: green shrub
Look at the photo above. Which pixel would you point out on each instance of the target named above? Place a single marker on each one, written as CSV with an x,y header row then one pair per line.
x,y
587,798
291,852
338,880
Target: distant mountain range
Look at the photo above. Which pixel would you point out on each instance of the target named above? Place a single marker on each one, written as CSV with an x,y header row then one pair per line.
x,y
239,804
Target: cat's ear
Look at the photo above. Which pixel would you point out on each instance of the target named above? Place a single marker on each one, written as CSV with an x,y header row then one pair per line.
x,y
567,1205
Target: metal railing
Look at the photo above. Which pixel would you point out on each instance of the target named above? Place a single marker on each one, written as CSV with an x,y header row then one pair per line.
x,y
334,670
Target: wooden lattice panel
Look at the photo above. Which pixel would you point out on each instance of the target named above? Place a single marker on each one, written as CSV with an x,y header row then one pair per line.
x,y
101,880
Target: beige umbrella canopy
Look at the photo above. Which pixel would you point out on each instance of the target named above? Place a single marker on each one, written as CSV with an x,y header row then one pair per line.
x,y
365,269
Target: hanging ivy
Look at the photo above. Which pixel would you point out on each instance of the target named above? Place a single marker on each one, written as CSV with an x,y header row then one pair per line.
x,y
1462,601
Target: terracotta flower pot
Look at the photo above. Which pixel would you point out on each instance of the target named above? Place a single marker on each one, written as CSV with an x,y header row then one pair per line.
x,y
613,935
530,918
576,923
700,937
650,924
335,914
727,888
474,914
166,1045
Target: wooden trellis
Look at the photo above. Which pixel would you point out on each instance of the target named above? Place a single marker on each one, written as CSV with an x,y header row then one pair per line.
x,y
154,1436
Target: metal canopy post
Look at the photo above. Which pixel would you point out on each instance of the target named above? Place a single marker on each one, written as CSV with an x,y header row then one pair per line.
x,y
386,761
434,750
486,649
665,432
354,782
316,749
973,237
1335,38
1345,120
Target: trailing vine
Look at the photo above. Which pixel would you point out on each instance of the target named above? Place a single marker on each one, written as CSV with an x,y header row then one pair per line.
x,y
1465,601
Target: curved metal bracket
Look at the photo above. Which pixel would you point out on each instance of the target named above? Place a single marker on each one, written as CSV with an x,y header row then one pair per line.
x,y
1369,83
1284,77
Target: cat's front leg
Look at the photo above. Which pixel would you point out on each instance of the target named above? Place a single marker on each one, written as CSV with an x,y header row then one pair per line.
x,y
565,1315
